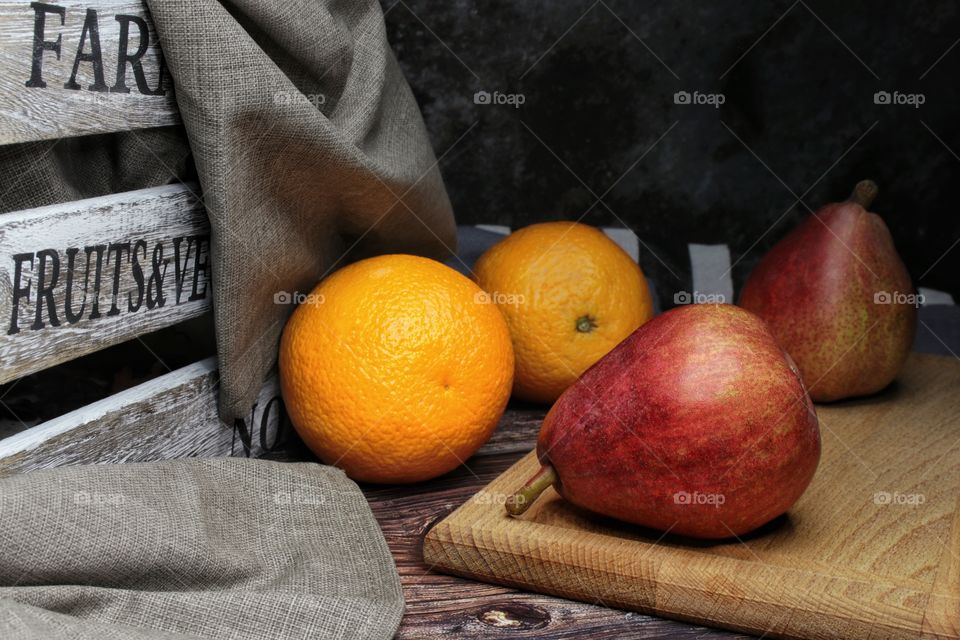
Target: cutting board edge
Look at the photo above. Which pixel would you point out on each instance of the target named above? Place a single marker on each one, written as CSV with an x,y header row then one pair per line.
x,y
440,539
941,619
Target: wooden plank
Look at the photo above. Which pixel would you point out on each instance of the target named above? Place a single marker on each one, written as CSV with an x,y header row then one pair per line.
x,y
172,416
139,263
47,91
868,551
516,432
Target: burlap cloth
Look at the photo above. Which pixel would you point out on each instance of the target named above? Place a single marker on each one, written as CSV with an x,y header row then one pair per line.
x,y
222,549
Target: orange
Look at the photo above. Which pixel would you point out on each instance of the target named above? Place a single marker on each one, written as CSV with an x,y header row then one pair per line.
x,y
569,294
395,370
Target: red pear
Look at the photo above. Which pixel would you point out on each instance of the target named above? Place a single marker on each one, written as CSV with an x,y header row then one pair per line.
x,y
838,298
697,424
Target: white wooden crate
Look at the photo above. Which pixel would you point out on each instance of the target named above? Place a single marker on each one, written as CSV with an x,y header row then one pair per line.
x,y
81,276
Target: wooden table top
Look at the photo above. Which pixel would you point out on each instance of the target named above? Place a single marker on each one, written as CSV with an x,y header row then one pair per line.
x,y
439,605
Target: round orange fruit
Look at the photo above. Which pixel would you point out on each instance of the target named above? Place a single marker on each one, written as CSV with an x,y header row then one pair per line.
x,y
569,294
394,369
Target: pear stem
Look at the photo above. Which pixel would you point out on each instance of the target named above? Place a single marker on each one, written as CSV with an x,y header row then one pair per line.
x,y
525,496
864,193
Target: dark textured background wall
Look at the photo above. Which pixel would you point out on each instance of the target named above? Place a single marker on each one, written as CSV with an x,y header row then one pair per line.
x,y
599,118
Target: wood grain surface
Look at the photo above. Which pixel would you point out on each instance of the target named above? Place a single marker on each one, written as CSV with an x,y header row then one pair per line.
x,y
145,246
39,107
870,551
172,416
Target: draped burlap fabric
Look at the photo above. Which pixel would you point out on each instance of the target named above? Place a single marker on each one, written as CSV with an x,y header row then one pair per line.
x,y
307,140
309,148
220,549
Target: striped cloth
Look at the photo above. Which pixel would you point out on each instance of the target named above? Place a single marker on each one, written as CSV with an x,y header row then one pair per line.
x,y
710,280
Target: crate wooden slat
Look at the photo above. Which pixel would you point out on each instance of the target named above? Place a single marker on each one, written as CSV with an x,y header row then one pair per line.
x,y
32,112
169,217
872,549
172,416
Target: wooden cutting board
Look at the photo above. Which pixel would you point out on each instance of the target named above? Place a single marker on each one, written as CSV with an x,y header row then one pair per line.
x,y
871,550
